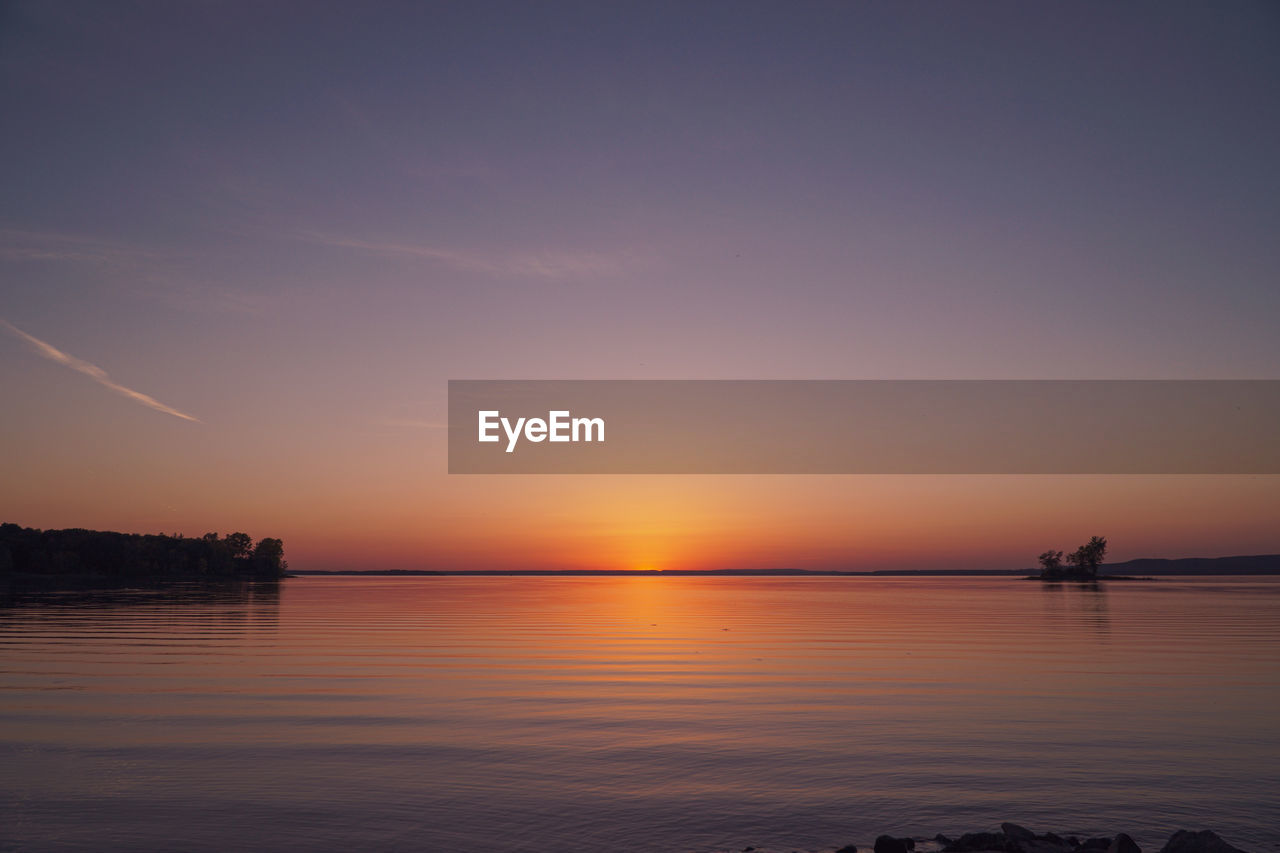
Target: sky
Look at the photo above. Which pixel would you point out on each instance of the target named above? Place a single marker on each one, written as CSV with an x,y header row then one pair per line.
x,y
244,246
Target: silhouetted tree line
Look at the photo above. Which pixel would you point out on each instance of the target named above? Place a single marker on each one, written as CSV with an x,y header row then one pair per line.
x,y
25,550
1082,564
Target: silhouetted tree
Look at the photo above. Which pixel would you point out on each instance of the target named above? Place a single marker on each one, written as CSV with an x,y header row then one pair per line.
x,y
239,543
1051,563
268,557
1097,549
1088,557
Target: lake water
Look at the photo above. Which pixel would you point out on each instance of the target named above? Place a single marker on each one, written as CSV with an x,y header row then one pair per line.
x,y
636,714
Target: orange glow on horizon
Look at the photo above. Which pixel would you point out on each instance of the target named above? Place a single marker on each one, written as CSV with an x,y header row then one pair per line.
x,y
684,523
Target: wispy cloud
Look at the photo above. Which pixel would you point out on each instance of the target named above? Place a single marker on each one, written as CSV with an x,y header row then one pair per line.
x,y
19,245
162,276
94,372
541,264
184,294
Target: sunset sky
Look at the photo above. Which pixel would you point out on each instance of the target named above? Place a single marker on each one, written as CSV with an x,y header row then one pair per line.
x,y
244,246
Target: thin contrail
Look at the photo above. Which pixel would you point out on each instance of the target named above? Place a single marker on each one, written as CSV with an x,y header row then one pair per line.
x,y
94,372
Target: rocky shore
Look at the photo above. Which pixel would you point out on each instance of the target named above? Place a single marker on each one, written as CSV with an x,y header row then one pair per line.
x,y
1017,839
1013,838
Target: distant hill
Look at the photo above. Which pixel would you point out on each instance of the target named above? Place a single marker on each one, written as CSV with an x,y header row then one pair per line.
x,y
1258,564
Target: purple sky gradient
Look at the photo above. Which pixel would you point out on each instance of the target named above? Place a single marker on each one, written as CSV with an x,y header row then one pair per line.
x,y
296,221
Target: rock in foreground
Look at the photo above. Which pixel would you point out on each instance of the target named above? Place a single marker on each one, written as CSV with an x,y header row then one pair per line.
x,y
1185,841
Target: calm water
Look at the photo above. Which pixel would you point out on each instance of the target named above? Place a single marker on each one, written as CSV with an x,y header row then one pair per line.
x,y
636,714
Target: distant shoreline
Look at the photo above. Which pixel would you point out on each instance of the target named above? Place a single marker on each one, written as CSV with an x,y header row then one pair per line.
x,y
648,573
90,556
1139,569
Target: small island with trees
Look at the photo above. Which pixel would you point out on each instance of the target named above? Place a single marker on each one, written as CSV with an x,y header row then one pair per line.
x,y
1082,564
94,555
